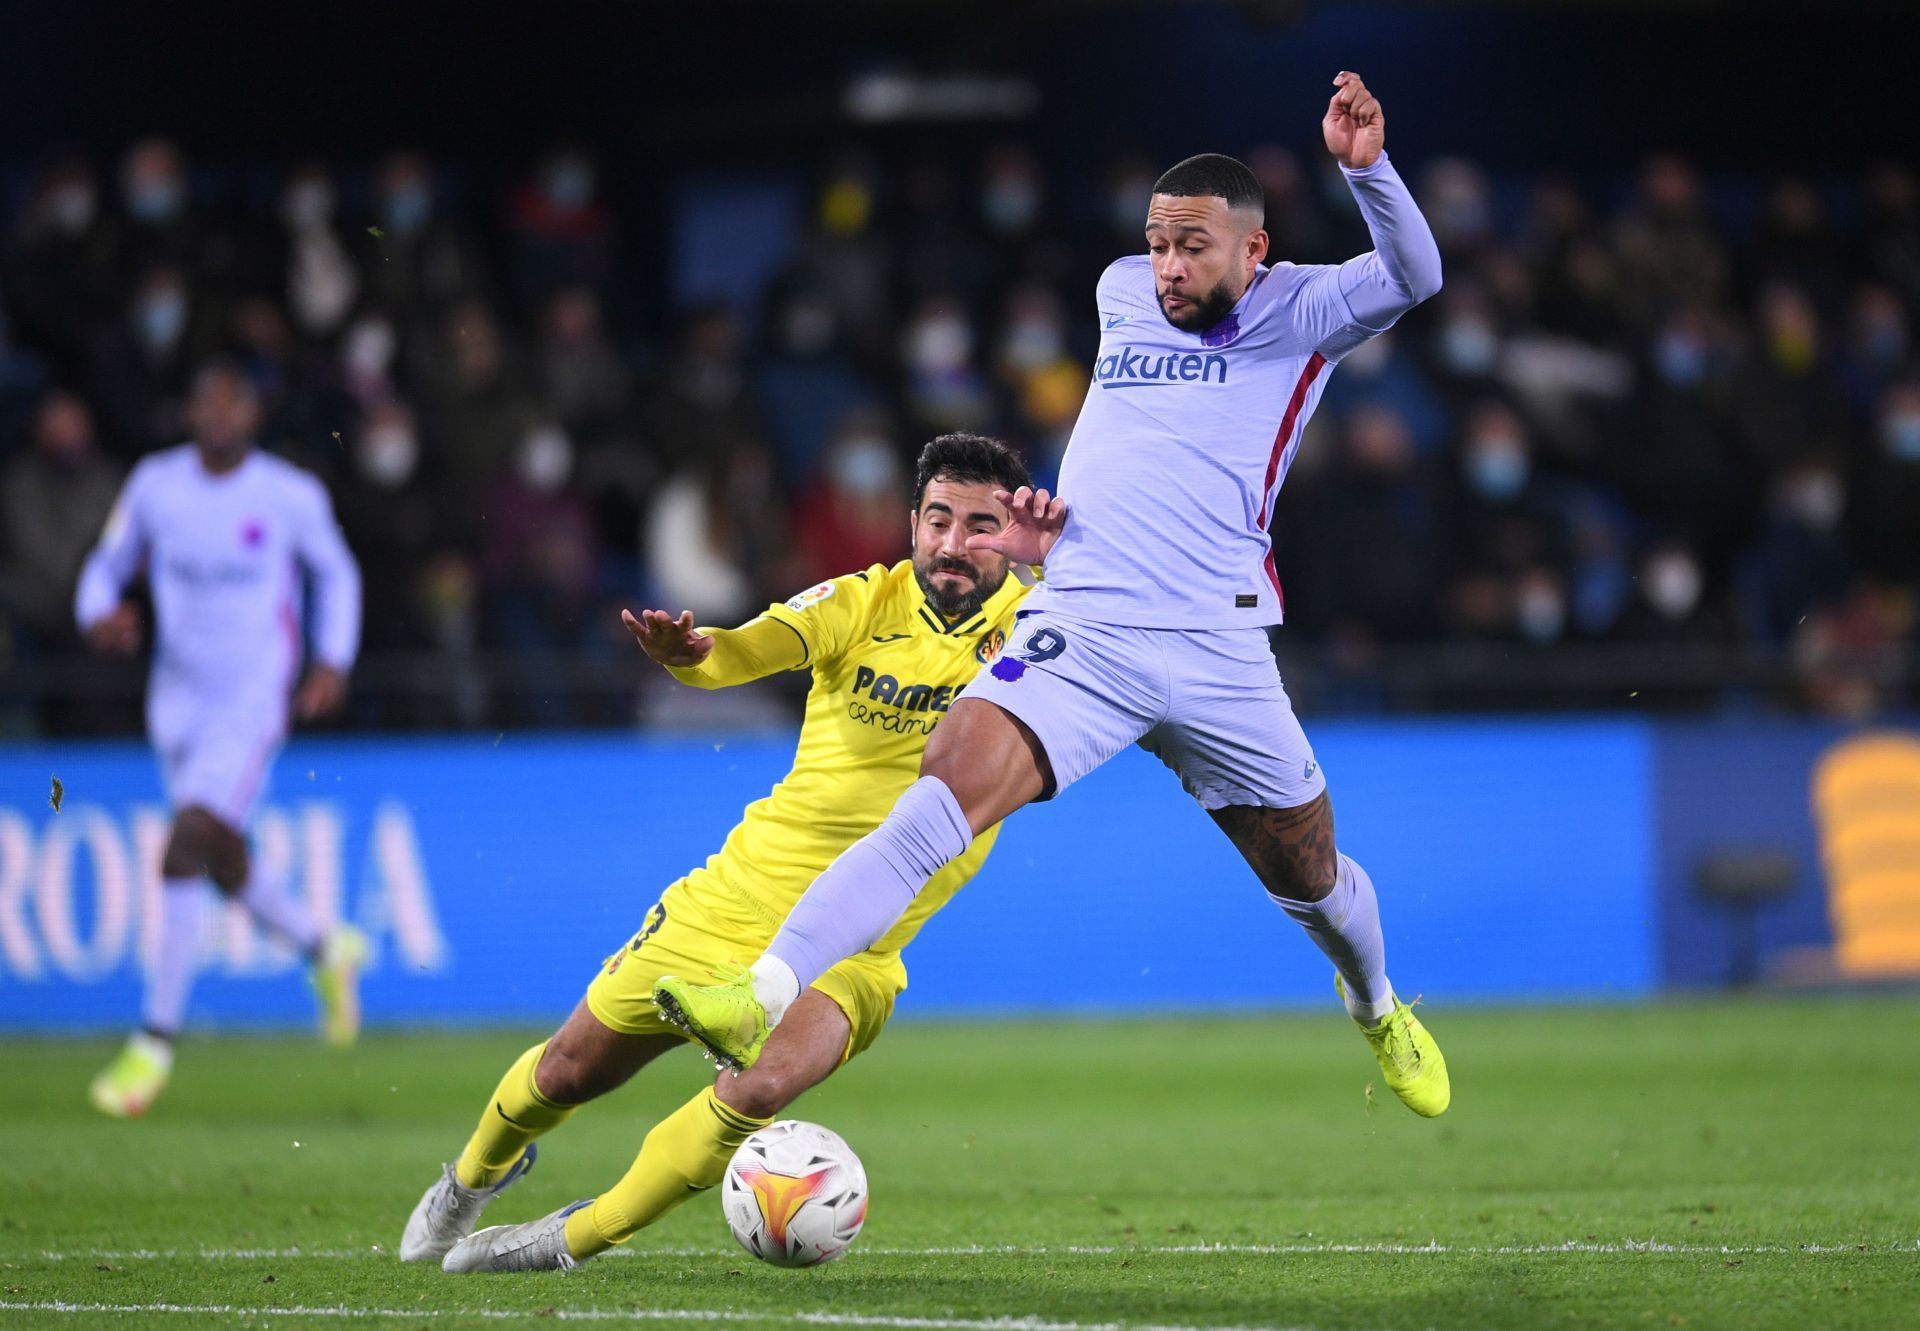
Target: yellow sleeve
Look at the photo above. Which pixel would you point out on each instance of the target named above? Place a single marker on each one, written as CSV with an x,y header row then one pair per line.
x,y
756,649
826,617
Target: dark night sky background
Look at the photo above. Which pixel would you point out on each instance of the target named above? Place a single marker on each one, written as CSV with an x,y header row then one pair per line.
x,y
1579,86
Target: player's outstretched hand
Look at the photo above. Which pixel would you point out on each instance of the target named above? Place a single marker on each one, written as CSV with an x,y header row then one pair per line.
x,y
1034,523
117,631
670,641
1354,127
322,693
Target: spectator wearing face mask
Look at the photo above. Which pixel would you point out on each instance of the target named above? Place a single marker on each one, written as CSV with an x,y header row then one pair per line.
x,y
389,511
560,231
476,405
851,517
1795,244
942,251
23,378
1505,516
581,376
1575,279
805,384
1785,397
1802,561
312,267
156,226
54,499
367,364
142,362
945,388
1464,345
700,404
1666,248
1671,602
540,561
1886,526
1890,239
1363,540
1678,462
1042,384
416,260
60,277
1380,372
1878,348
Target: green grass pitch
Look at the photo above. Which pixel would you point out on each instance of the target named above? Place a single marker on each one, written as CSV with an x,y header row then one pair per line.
x,y
1744,1165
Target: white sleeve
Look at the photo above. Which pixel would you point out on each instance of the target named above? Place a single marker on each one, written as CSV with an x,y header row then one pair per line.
x,y
336,580
116,558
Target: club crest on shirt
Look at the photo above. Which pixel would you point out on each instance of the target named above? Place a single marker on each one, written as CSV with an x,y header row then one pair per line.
x,y
989,647
811,596
1221,333
252,533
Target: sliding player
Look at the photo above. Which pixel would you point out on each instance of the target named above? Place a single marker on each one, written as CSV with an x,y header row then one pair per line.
x,y
889,649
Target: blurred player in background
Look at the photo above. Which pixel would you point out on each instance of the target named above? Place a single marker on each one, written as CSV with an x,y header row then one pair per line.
x,y
1151,626
222,533
888,648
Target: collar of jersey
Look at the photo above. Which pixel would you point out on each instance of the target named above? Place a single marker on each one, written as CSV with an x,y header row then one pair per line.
x,y
973,623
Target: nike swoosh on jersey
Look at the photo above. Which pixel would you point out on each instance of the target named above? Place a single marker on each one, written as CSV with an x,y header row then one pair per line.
x,y
890,637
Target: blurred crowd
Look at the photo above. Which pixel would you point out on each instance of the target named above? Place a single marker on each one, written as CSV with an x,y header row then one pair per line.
x,y
1658,413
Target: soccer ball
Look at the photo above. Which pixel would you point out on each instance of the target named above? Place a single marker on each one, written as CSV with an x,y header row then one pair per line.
x,y
795,1194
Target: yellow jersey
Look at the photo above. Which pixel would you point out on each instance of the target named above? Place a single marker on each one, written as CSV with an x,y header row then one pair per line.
x,y
886,667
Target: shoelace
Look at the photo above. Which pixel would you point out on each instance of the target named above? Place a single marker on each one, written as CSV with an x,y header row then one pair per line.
x,y
1399,1044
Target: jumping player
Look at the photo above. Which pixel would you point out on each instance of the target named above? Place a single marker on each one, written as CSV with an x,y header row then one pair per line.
x,y
1150,628
889,648
222,532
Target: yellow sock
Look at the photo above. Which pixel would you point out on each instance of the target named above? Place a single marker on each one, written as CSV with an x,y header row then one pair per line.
x,y
515,1115
687,1152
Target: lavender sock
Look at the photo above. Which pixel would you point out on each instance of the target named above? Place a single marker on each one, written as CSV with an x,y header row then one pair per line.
x,y
279,912
853,904
163,1007
1345,925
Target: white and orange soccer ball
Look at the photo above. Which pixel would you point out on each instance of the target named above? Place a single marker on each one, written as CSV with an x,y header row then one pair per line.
x,y
795,1194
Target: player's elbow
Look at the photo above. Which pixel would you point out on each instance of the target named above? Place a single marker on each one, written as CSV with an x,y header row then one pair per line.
x,y
1425,285
697,677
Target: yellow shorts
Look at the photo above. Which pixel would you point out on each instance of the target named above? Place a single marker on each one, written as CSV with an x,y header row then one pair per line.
x,y
690,931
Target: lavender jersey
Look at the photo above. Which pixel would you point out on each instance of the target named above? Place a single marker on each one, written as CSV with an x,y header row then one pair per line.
x,y
1178,455
224,556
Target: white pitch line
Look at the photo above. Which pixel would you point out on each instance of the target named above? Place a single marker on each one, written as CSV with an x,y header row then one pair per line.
x,y
620,1315
1624,1247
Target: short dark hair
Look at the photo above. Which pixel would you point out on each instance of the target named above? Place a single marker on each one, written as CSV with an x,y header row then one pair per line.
x,y
224,366
971,459
1215,175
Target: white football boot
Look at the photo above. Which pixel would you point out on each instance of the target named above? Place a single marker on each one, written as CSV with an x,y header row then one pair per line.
x,y
538,1245
446,1213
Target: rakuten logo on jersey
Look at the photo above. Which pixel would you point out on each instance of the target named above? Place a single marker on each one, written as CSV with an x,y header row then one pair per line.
x,y
1129,367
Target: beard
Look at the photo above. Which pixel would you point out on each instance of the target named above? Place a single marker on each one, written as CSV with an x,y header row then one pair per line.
x,y
1202,312
952,603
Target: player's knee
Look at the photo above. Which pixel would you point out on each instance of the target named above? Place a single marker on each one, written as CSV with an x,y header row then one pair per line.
x,y
190,845
1308,878
564,1078
759,1092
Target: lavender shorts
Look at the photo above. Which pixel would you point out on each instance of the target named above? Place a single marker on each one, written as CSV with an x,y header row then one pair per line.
x,y
1208,703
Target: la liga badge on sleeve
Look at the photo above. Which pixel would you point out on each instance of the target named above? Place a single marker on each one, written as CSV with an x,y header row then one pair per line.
x,y
811,596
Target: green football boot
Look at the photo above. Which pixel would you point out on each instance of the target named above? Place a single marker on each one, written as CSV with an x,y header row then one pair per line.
x,y
725,1017
1409,1059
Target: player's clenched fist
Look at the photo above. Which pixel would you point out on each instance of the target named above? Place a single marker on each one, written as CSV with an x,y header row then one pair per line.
x,y
1355,128
669,641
